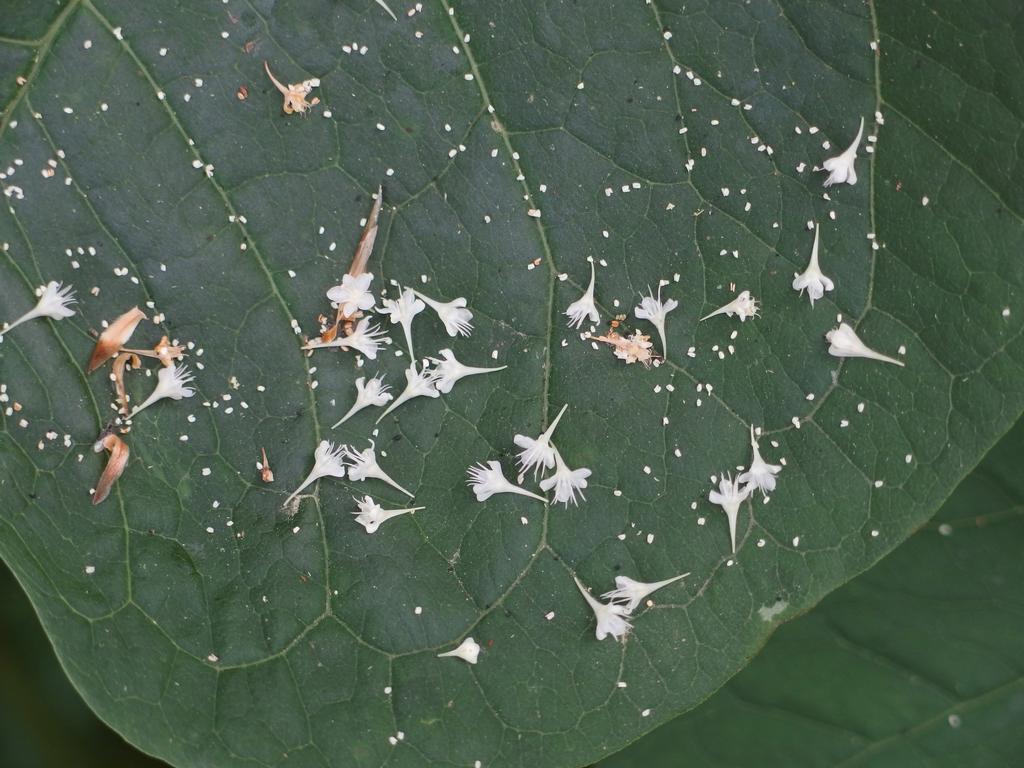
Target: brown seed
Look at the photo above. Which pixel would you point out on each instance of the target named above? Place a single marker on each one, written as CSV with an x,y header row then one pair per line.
x,y
242,93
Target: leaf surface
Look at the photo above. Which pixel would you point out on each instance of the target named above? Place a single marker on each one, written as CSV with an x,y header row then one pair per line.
x,y
210,628
913,663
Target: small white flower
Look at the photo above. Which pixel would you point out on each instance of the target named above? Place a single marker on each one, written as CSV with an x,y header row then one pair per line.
x,y
403,310
487,480
373,392
418,383
844,342
365,339
743,306
840,168
609,616
729,496
171,381
812,278
761,474
565,481
54,302
633,592
468,650
654,310
584,305
371,515
362,465
449,370
456,318
537,453
353,295
327,462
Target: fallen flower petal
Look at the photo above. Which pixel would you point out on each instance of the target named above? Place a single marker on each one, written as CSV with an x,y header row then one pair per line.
x,y
653,310
114,337
812,279
609,616
538,453
487,480
448,370
362,465
633,592
456,318
328,461
116,463
743,306
584,306
353,295
266,473
729,496
371,515
468,650
54,302
565,481
365,339
844,342
840,168
117,373
418,383
402,310
171,382
295,93
761,474
373,392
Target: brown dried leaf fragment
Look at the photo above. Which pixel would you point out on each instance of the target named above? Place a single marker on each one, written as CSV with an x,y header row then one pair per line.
x,y
115,337
116,463
295,93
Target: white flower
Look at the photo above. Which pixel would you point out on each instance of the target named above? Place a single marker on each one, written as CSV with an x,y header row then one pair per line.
x,y
812,278
743,306
362,465
468,650
373,392
171,381
353,295
840,168
609,616
565,481
449,370
844,342
54,302
761,474
489,480
371,515
584,305
327,462
633,592
729,496
365,339
653,310
453,314
418,383
537,453
403,310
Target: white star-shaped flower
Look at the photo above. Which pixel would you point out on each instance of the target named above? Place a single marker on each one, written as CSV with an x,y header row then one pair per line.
x,y
812,279
353,295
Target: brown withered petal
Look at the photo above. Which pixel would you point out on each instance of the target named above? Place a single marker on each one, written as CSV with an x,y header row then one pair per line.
x,y
123,359
368,238
168,353
114,337
116,463
266,473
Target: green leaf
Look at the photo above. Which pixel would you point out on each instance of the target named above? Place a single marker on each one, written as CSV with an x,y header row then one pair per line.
x,y
277,640
914,663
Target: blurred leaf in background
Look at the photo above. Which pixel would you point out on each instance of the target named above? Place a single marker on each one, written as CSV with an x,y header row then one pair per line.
x,y
916,662
43,722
